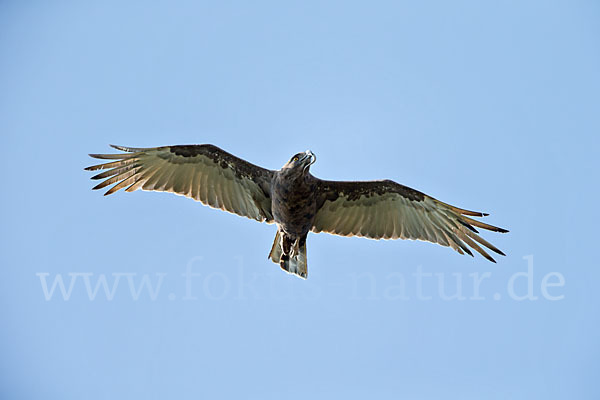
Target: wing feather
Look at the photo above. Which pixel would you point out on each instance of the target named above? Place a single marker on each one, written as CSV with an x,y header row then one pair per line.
x,y
114,171
116,178
204,187
113,164
154,174
124,183
180,181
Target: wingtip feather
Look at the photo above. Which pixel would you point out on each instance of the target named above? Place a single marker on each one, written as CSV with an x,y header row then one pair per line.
x,y
129,149
468,226
116,146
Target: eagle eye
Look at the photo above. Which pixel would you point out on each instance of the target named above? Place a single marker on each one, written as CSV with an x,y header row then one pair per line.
x,y
295,159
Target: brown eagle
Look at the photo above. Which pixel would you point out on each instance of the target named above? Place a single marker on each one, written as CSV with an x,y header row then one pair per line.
x,y
293,199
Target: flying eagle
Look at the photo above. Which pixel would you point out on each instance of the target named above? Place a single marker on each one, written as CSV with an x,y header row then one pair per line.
x,y
293,199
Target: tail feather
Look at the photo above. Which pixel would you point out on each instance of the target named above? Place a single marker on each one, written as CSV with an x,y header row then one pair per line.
x,y
275,254
295,265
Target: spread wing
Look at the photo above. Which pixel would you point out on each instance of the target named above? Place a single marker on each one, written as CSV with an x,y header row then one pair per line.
x,y
204,173
388,210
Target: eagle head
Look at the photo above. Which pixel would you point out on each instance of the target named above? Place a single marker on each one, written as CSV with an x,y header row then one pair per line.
x,y
301,161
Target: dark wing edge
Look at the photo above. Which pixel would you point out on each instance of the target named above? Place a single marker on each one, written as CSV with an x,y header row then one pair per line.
x,y
202,172
388,210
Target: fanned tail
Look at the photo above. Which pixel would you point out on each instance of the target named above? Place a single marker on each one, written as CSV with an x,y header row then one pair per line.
x,y
294,264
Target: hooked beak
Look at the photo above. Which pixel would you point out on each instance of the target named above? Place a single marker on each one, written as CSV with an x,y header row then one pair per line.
x,y
310,156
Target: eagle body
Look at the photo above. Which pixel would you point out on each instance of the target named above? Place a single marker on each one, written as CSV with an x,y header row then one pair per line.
x,y
294,200
294,206
294,203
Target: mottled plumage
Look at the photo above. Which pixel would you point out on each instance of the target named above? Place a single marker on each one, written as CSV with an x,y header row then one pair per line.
x,y
294,199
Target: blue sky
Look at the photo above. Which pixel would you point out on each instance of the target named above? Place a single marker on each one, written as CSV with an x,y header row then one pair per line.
x,y
492,107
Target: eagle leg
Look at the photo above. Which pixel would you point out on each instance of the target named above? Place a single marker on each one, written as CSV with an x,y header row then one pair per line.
x,y
295,248
286,244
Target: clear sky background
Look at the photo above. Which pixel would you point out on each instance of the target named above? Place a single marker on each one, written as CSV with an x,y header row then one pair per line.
x,y
492,106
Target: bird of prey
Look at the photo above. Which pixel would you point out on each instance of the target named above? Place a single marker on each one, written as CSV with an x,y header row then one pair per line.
x,y
293,199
